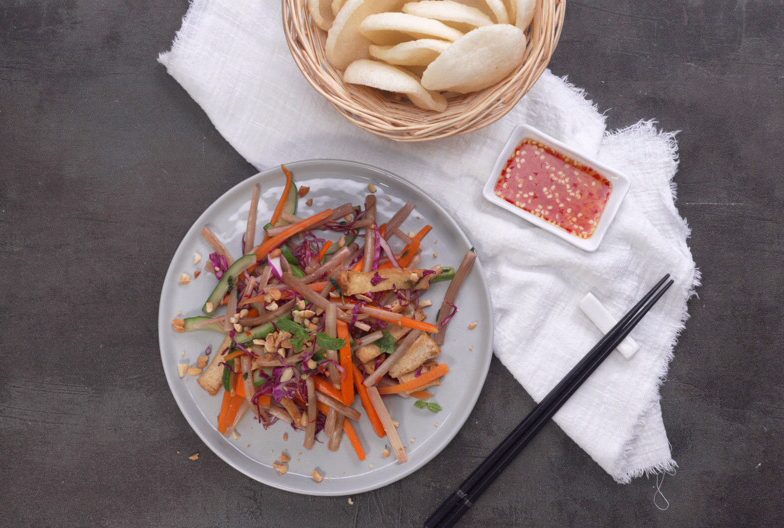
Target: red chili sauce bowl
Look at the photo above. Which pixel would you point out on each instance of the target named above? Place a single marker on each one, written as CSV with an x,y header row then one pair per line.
x,y
548,184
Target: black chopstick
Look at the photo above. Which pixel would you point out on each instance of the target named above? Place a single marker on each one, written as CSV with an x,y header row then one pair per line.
x,y
453,508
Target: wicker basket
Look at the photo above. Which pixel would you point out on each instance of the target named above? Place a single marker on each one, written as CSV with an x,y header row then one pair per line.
x,y
395,118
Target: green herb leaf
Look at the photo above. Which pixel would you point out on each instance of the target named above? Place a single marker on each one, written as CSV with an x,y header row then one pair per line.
x,y
259,382
387,343
319,356
329,343
299,335
433,407
227,372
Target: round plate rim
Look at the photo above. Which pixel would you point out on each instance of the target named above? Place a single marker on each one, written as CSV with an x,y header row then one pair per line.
x,y
406,469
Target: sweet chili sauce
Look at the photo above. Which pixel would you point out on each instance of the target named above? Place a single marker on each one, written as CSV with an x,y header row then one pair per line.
x,y
554,187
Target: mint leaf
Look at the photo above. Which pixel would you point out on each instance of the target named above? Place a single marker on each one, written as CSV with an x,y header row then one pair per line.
x,y
387,343
299,335
329,343
433,407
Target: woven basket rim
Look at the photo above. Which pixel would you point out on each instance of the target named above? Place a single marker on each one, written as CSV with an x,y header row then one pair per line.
x,y
389,116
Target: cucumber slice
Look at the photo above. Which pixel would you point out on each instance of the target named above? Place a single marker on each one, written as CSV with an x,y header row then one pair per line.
x,y
222,288
447,274
289,255
290,207
258,332
191,324
297,271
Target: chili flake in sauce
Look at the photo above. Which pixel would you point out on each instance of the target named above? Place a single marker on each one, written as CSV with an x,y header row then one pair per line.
x,y
554,187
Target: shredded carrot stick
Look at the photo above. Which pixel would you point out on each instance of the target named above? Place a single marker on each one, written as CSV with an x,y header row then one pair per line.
x,y
399,320
318,287
359,265
324,386
224,409
412,249
324,249
240,384
265,401
252,313
347,379
359,384
233,355
422,395
416,383
226,419
283,196
270,244
348,428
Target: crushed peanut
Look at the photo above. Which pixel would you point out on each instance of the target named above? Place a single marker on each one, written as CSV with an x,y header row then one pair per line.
x,y
210,307
196,258
309,202
201,361
284,457
259,342
285,437
301,304
182,369
372,187
275,294
425,303
350,501
196,274
244,312
271,307
238,327
342,241
282,469
386,453
235,435
194,457
472,325
317,476
184,278
287,374
194,371
303,191
312,364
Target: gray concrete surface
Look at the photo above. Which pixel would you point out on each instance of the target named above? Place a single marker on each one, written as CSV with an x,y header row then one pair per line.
x,y
105,162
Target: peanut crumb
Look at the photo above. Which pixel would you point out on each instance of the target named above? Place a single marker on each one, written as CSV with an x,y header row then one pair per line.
x,y
386,453
201,361
194,371
182,368
285,458
472,325
425,303
350,501
184,278
372,187
210,307
316,475
194,457
271,307
396,423
235,435
282,469
285,437
196,274
309,202
303,191
196,258
237,327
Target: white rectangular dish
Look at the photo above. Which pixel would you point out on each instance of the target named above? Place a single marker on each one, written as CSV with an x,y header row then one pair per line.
x,y
619,186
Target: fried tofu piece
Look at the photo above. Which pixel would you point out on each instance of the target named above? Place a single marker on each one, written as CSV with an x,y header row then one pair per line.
x,y
211,378
423,349
368,352
354,282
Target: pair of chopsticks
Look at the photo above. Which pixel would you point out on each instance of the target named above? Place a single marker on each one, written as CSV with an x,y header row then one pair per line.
x,y
452,509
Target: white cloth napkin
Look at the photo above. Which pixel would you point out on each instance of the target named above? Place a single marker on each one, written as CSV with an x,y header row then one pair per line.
x,y
232,58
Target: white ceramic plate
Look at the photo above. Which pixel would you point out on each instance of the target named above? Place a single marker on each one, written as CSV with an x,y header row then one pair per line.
x,y
467,352
619,182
